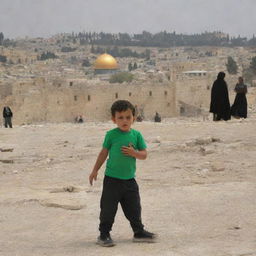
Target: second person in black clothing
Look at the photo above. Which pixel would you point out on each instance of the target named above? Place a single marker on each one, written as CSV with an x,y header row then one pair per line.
x,y
239,107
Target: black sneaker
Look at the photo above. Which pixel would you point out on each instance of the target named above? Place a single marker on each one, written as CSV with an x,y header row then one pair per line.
x,y
144,237
105,241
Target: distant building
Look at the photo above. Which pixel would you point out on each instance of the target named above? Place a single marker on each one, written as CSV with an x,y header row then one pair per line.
x,y
194,73
105,64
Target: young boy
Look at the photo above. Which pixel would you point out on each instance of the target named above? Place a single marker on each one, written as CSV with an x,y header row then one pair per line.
x,y
123,145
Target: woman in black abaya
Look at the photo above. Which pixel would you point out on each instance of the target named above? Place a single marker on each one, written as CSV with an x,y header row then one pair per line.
x,y
220,106
239,107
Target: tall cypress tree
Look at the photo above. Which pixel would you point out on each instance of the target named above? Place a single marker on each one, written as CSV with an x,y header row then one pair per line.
x,y
1,38
231,66
253,65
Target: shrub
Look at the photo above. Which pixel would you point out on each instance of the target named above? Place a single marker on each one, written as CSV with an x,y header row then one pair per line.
x,y
121,77
3,58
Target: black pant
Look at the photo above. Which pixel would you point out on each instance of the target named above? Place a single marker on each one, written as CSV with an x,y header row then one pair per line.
x,y
8,122
127,193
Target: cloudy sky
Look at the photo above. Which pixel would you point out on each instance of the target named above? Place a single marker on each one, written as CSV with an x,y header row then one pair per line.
x,y
19,18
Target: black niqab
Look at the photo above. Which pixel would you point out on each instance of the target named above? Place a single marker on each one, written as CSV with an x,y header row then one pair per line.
x,y
220,104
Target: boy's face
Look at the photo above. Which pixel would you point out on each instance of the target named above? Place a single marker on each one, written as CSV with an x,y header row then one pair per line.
x,y
123,120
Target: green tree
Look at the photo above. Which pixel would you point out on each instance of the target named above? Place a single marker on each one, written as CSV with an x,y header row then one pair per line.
x,y
93,49
135,66
3,58
231,66
130,66
86,63
47,55
253,65
67,49
147,54
1,38
121,77
248,75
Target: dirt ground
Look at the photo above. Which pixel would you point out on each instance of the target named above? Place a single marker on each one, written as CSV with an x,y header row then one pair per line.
x,y
198,189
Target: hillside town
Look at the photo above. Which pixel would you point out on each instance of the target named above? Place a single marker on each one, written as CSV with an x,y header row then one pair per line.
x,y
57,78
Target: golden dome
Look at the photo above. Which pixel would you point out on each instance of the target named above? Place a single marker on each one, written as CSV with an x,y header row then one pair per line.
x,y
105,61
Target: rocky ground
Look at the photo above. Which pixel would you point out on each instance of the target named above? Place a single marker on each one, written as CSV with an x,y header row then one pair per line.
x,y
198,189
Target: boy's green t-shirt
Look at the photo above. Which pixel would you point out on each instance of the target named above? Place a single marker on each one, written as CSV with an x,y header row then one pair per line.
x,y
119,165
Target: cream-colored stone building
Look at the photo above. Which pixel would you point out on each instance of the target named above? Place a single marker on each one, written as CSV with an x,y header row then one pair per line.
x,y
35,100
54,95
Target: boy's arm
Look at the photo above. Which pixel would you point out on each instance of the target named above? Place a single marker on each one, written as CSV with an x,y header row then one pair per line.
x,y
130,151
99,162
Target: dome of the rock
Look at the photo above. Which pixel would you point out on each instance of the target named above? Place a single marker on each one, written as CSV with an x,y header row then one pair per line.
x,y
105,62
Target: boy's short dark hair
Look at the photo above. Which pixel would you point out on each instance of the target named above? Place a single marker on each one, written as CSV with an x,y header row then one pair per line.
x,y
122,105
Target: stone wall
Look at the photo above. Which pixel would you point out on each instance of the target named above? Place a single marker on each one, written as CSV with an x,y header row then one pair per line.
x,y
193,94
37,101
5,90
40,100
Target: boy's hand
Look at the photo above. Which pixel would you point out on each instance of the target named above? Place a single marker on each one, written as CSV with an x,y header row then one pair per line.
x,y
128,151
100,160
93,176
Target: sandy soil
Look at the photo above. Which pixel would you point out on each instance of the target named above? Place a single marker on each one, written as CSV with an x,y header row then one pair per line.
x,y
198,189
